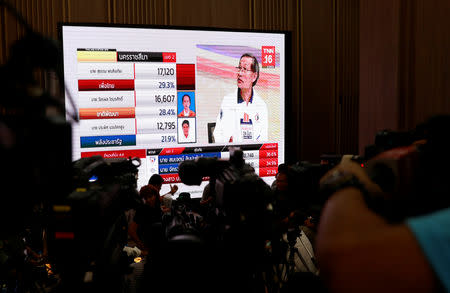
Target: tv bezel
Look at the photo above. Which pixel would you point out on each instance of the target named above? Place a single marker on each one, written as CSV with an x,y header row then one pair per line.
x,y
288,117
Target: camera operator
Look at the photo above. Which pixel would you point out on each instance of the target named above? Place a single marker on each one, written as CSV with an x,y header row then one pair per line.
x,y
286,202
290,208
360,251
165,200
293,232
142,230
207,198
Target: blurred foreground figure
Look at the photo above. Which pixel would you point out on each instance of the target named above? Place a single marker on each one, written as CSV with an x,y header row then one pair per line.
x,y
359,249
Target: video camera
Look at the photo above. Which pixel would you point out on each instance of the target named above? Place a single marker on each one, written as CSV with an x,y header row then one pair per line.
x,y
111,184
242,217
35,145
411,168
229,181
303,186
91,224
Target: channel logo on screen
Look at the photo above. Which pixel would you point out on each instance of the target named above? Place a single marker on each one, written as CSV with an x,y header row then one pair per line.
x,y
268,56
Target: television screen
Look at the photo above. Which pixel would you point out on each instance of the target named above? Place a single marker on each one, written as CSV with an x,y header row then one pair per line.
x,y
167,95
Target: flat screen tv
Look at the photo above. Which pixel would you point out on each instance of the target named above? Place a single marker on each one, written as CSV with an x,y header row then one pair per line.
x,y
169,94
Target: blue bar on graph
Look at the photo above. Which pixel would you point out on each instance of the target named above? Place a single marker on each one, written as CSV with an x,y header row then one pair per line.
x,y
168,168
107,141
171,159
201,155
183,157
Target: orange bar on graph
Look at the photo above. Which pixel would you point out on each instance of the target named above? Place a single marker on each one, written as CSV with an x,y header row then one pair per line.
x,y
107,113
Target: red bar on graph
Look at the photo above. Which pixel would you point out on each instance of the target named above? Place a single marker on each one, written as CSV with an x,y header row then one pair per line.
x,y
185,76
105,84
116,154
270,162
263,154
171,151
268,171
171,178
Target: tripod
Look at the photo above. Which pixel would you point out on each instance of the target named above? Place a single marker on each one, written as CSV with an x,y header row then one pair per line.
x,y
292,237
297,248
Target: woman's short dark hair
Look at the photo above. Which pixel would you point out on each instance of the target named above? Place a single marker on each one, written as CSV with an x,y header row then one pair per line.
x,y
156,179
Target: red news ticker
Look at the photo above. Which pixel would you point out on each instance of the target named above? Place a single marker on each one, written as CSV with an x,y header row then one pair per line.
x,y
116,154
169,57
271,162
171,178
105,84
268,154
269,146
107,113
171,151
267,172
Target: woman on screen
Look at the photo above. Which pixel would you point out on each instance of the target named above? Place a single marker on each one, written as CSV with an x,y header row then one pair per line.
x,y
186,112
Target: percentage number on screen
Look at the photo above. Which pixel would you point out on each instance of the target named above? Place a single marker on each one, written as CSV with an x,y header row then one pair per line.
x,y
166,85
166,112
271,172
168,138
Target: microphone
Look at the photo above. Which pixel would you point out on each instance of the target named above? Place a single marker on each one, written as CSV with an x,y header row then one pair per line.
x,y
191,172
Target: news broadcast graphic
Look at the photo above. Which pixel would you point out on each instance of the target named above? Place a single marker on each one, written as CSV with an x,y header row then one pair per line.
x,y
186,130
186,104
169,95
216,79
268,56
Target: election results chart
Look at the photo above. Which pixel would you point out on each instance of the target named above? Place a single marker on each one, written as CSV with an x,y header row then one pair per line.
x,y
262,157
129,98
165,161
156,94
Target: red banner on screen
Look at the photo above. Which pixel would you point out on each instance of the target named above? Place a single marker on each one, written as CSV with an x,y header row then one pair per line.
x,y
116,154
268,154
171,178
267,172
105,84
271,162
171,151
169,57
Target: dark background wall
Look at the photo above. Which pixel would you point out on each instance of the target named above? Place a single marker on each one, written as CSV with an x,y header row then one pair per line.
x,y
357,66
404,64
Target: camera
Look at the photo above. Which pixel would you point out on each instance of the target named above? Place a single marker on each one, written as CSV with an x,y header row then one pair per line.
x,y
411,168
90,223
35,151
241,220
307,196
